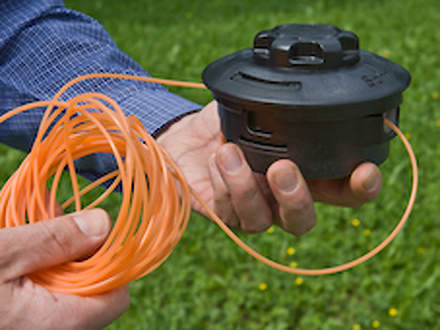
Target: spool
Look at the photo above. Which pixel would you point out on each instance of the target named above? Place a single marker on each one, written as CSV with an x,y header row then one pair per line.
x,y
308,93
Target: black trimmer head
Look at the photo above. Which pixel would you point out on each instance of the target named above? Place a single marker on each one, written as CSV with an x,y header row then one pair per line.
x,y
308,93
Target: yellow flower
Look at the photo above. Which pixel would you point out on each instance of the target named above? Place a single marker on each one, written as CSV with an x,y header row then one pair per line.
x,y
420,250
355,222
357,327
386,53
408,136
299,281
293,264
367,232
375,324
392,311
262,286
290,251
188,14
437,123
270,230
434,95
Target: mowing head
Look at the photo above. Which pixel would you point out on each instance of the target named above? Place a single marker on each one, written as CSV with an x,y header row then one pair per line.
x,y
308,93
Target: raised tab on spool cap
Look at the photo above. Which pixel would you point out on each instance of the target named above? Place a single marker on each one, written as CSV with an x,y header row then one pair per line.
x,y
323,46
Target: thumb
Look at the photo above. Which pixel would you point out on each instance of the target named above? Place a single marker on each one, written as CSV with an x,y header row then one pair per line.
x,y
31,247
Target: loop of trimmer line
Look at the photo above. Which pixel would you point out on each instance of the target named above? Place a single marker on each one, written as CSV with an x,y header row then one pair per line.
x,y
355,262
133,248
118,135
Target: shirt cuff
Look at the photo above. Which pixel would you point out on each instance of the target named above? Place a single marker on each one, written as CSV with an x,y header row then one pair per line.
x,y
157,108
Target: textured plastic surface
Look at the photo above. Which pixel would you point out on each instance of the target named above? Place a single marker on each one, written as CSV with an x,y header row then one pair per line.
x,y
308,93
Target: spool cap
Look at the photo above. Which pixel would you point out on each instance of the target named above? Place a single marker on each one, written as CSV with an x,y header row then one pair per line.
x,y
308,93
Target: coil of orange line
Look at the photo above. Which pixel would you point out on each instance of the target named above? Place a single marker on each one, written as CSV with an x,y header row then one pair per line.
x,y
154,212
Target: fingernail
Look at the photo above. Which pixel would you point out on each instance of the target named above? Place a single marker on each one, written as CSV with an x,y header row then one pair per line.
x,y
371,181
230,159
92,222
286,179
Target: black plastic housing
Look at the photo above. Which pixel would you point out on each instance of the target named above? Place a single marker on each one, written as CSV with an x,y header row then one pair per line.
x,y
308,93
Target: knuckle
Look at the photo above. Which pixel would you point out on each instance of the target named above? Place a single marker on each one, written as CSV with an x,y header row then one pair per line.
x,y
221,196
252,210
59,241
228,216
256,221
232,222
246,195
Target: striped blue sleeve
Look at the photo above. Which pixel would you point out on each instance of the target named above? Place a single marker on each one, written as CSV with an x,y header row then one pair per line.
x,y
43,45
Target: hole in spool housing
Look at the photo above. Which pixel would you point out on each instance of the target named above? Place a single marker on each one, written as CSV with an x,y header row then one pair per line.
x,y
257,125
393,116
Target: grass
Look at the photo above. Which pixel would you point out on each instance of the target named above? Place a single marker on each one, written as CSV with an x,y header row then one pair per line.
x,y
209,283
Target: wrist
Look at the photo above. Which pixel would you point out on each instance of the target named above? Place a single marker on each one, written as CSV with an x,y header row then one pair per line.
x,y
175,124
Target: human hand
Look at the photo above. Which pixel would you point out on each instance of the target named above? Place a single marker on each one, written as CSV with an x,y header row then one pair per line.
x,y
26,249
220,175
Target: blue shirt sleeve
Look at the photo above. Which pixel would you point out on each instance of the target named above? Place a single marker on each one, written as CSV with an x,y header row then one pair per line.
x,y
43,45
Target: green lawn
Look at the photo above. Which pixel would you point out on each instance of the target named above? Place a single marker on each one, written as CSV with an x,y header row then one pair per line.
x,y
208,282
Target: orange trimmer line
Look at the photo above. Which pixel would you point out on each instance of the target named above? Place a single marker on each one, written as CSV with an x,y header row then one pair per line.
x,y
134,247
348,265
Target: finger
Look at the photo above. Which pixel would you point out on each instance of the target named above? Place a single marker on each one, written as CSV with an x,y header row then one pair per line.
x,y
101,310
98,311
362,186
222,199
47,243
249,204
93,312
297,214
